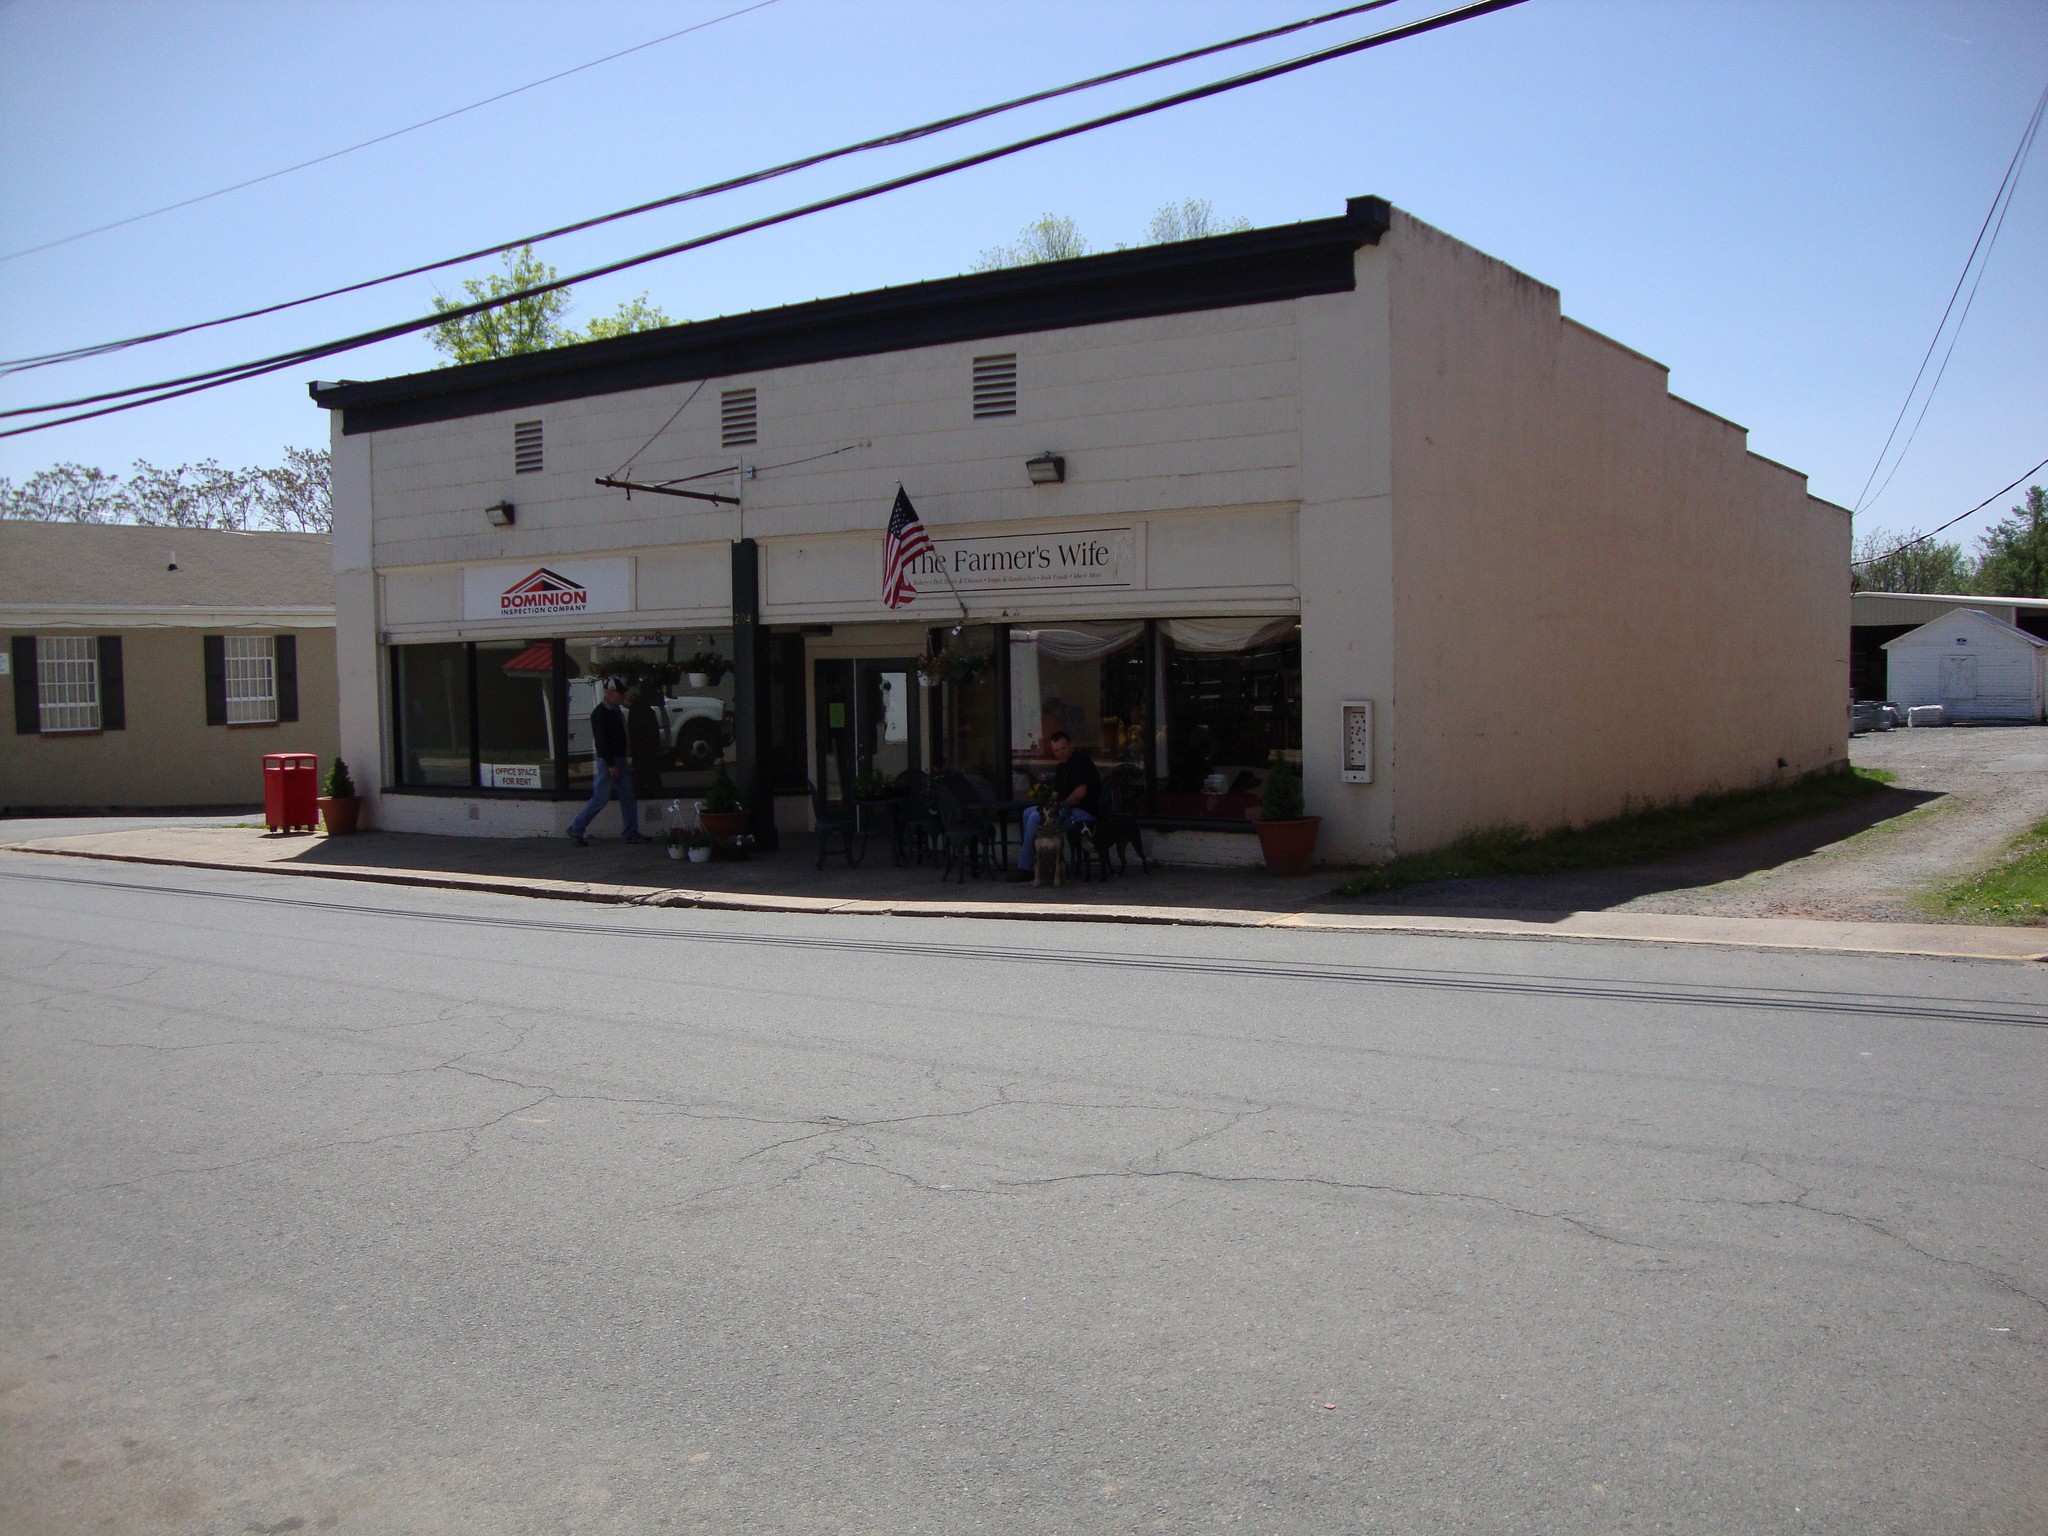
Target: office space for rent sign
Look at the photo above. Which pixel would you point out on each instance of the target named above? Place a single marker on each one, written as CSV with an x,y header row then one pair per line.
x,y
1018,562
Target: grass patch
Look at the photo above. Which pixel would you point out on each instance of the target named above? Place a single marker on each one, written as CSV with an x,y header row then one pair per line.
x,y
1634,838
2014,890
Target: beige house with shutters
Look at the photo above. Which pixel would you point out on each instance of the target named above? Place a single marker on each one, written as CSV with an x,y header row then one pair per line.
x,y
151,668
1347,490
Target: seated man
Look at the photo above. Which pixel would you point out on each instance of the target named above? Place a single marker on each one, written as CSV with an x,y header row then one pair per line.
x,y
1077,786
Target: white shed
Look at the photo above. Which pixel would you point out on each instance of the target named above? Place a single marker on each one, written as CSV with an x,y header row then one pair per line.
x,y
1974,666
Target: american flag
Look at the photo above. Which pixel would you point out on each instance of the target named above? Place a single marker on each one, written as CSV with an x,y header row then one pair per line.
x,y
904,542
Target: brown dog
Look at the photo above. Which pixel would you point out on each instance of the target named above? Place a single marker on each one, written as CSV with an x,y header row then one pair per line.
x,y
1049,852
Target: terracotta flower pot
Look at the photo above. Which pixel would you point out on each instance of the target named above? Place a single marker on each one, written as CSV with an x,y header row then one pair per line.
x,y
341,815
722,824
1289,846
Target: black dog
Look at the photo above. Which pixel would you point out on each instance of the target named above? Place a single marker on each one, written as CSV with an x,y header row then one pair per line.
x,y
1118,833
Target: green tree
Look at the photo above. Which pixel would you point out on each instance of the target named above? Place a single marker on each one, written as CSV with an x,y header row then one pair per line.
x,y
294,496
1191,219
1880,565
1057,237
2012,555
1049,237
531,324
63,493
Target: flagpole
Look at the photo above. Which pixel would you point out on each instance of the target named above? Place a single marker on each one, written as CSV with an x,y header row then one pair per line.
x,y
946,571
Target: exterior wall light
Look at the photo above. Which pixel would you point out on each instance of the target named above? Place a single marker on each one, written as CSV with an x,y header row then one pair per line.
x,y
500,513
1046,469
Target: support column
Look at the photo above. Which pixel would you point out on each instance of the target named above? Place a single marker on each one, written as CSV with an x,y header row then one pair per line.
x,y
751,699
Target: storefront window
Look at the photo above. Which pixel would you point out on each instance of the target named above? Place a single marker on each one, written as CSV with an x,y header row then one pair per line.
x,y
1087,679
679,706
430,687
1230,690
515,715
965,706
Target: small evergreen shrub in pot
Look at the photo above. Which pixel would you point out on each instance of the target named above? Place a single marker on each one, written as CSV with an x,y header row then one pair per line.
x,y
340,807
720,812
1287,833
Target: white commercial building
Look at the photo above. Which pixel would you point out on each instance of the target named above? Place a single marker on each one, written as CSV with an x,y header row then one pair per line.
x,y
1196,503
1974,666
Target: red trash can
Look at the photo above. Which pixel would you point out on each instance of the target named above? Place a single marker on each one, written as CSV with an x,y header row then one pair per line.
x,y
291,791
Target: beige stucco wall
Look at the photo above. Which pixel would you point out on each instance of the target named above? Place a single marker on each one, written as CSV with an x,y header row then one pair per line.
x,y
1601,598
168,755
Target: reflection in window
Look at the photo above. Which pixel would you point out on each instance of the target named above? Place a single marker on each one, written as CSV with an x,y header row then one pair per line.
x,y
1231,691
965,710
1087,679
515,714
678,725
431,697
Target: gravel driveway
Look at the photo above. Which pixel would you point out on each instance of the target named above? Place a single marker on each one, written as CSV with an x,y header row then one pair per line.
x,y
1961,795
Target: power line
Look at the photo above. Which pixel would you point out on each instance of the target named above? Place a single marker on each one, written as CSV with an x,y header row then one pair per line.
x,y
382,138
167,389
1923,538
2000,201
753,178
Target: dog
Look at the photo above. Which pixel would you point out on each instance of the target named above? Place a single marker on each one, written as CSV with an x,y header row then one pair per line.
x,y
1118,834
1049,852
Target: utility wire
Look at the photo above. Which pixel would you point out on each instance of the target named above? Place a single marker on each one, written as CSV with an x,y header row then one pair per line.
x,y
382,138
752,178
1923,538
2000,200
167,389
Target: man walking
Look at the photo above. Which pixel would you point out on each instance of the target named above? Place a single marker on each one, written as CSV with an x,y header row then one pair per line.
x,y
613,774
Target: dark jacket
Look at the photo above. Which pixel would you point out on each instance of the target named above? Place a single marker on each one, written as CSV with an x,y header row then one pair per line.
x,y
1079,769
643,731
608,732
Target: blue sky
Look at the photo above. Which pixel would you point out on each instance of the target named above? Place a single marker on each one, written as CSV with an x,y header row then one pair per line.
x,y
1774,199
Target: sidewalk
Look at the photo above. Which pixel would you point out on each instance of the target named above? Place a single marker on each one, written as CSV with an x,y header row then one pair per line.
x,y
788,881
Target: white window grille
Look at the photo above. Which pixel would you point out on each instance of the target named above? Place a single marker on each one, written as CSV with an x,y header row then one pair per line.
x,y
68,683
252,679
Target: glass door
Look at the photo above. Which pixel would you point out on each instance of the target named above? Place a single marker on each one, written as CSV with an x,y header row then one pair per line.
x,y
888,735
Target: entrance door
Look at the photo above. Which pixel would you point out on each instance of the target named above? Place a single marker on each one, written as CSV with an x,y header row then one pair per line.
x,y
867,721
1958,678
886,723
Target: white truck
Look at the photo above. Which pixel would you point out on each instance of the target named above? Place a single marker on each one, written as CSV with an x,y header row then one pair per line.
x,y
695,728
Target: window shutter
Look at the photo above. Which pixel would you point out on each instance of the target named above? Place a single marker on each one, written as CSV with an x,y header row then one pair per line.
x,y
287,677
216,678
28,719
113,696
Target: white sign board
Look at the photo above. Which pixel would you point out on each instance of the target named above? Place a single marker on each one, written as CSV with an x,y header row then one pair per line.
x,y
1024,562
512,775
547,590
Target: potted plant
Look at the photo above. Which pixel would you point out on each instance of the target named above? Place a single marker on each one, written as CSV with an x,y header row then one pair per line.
x,y
693,843
720,812
704,669
731,850
1287,835
953,667
339,806
873,786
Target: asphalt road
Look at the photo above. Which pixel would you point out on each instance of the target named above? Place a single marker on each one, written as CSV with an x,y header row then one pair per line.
x,y
330,1207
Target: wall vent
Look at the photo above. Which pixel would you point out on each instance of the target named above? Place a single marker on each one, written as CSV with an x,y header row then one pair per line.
x,y
739,418
995,385
526,456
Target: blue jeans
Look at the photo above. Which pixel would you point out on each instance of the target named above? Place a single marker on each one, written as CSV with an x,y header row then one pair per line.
x,y
612,779
1033,819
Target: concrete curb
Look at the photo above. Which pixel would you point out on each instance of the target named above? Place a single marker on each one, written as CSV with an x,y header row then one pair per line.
x,y
1915,940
